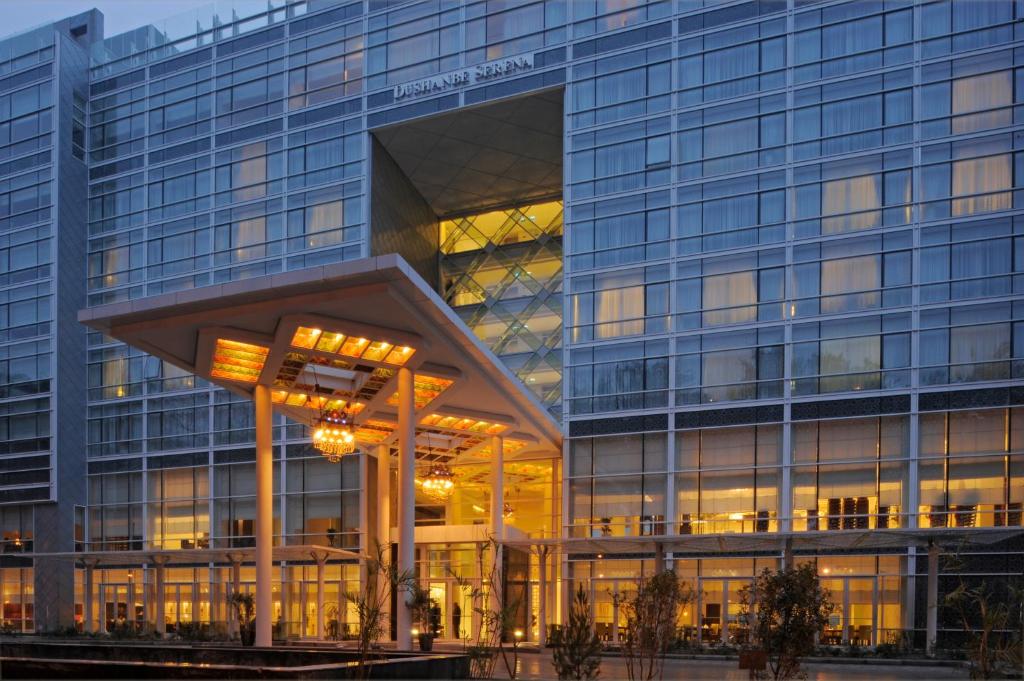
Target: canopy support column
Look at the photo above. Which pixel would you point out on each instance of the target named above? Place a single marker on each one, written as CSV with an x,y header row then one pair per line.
x,y
234,626
321,565
497,518
933,598
264,515
542,602
88,625
406,500
383,530
160,567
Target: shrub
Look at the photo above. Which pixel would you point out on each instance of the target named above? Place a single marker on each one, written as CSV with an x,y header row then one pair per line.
x,y
577,649
789,608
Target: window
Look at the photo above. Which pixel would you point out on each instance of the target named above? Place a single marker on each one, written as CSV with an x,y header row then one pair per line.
x,y
982,93
733,298
855,201
987,178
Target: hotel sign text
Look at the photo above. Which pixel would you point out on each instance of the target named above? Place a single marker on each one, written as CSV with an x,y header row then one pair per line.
x,y
468,76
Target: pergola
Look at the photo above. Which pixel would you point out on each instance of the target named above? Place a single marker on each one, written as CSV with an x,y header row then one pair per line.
x,y
369,337
789,543
161,559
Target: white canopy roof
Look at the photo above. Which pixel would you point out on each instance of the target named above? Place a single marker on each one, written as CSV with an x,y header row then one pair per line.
x,y
335,336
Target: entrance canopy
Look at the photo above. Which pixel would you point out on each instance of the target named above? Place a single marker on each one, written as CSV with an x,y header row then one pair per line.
x,y
334,337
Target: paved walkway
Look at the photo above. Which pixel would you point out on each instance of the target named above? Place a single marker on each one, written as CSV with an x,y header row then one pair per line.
x,y
535,666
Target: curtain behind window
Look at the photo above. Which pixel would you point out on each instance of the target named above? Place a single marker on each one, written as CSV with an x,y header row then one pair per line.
x,y
988,175
971,347
613,305
847,275
733,296
854,200
324,216
977,432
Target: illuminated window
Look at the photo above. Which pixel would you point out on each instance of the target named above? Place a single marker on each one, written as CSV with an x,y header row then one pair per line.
x,y
238,361
351,346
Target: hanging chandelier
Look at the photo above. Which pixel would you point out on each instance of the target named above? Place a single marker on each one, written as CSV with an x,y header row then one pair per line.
x,y
333,436
507,511
439,482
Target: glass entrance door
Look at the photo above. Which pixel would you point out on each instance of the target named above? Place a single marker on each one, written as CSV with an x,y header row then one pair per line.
x,y
721,611
440,609
115,609
854,620
178,605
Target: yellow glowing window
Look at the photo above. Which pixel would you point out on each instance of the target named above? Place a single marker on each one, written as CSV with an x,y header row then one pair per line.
x,y
238,361
509,446
330,342
377,351
400,355
305,337
339,343
425,389
463,424
354,347
374,430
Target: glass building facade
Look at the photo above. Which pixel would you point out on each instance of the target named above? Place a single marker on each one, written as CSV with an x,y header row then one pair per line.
x,y
776,290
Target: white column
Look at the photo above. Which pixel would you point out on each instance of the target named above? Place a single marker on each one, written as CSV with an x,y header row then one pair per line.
x,y
236,586
723,620
103,608
477,605
542,601
406,500
787,554
497,516
264,515
933,598
159,565
383,530
321,563
88,625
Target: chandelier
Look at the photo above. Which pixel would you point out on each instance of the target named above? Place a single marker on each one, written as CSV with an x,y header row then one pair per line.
x,y
439,482
507,511
333,436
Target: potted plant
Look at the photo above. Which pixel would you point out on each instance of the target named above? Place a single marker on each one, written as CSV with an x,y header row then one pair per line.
x,y
245,606
420,606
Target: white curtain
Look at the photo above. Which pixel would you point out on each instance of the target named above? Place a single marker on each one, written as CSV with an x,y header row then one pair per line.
x,y
848,275
854,202
988,176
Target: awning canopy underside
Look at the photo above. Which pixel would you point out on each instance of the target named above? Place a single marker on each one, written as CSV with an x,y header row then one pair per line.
x,y
335,337
800,542
171,557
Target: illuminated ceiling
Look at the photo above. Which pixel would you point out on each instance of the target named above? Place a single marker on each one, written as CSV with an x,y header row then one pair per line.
x,y
334,337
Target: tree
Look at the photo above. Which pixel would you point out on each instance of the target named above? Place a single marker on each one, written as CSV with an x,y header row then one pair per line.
x,y
789,608
420,607
993,625
498,616
577,649
245,609
383,579
652,612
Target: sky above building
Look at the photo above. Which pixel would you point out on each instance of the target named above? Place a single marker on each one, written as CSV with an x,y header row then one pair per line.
x,y
119,15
